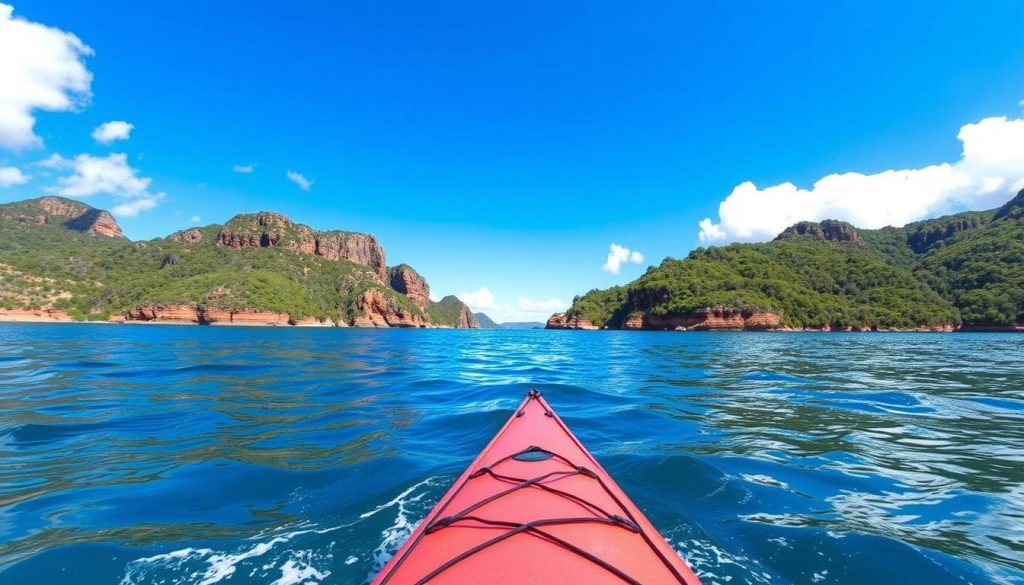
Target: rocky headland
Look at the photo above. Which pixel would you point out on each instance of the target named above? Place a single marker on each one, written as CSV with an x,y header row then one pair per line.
x,y
954,273
62,260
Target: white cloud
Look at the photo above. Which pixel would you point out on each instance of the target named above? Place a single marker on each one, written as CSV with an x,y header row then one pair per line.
x,y
10,176
525,309
247,169
989,171
110,174
133,207
195,219
619,255
41,68
106,175
54,161
299,180
479,300
545,307
108,132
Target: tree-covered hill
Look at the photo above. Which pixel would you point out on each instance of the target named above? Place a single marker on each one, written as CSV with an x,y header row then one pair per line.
x,y
485,321
965,268
46,262
981,270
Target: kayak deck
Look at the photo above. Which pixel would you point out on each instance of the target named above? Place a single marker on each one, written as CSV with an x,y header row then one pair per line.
x,y
535,507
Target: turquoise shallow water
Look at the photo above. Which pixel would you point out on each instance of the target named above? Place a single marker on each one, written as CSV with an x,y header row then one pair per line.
x,y
209,455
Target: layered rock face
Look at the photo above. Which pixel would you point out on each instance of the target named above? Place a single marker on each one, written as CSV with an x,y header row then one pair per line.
x,y
380,310
716,318
409,282
266,229
563,321
190,313
829,229
185,313
634,321
467,320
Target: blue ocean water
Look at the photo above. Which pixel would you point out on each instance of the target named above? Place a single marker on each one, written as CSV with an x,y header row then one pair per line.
x,y
146,454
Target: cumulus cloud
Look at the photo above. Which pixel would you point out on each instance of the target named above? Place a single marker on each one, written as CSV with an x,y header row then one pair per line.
x,y
105,175
990,169
546,307
479,300
196,219
619,255
41,68
525,309
54,161
10,176
247,169
109,174
108,132
299,180
136,206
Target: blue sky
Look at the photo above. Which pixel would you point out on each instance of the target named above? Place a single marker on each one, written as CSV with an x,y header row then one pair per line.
x,y
508,146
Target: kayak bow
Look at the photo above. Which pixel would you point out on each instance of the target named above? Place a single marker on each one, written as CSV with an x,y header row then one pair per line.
x,y
535,507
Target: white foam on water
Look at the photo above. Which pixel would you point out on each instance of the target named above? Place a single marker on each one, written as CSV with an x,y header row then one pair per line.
x,y
399,499
223,566
394,536
765,480
299,570
204,566
715,565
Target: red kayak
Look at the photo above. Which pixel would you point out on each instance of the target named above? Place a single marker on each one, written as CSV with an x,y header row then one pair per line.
x,y
535,508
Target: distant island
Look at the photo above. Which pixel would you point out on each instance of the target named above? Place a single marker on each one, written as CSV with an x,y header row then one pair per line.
x,y
488,323
62,260
957,272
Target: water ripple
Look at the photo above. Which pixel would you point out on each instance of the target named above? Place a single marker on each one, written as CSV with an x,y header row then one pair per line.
x,y
212,455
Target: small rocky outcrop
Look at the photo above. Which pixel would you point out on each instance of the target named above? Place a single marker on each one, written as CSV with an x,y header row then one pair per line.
x,y
79,216
313,322
467,320
168,313
567,321
266,229
191,236
717,318
404,279
926,236
379,309
634,321
829,229
1012,208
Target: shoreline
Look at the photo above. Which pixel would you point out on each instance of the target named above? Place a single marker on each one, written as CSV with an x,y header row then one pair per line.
x,y
42,318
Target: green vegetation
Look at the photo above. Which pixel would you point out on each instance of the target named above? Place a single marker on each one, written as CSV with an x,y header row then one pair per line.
x,y
981,270
93,276
485,321
446,311
967,267
602,307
